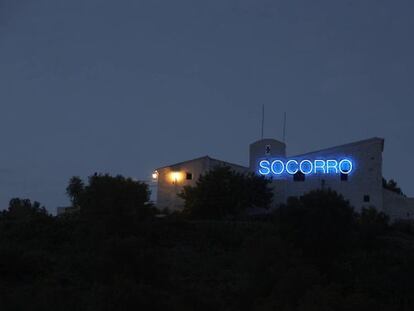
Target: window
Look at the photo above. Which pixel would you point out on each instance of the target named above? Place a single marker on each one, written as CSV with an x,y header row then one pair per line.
x,y
188,176
344,177
299,176
366,198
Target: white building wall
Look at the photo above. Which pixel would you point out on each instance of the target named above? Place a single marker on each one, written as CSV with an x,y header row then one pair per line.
x,y
365,180
169,188
398,206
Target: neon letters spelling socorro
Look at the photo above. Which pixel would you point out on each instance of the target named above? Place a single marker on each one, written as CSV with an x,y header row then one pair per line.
x,y
277,167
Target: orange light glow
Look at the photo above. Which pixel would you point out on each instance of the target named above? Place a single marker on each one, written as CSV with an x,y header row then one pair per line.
x,y
176,176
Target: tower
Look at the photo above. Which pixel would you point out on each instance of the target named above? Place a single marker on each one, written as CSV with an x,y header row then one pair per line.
x,y
265,148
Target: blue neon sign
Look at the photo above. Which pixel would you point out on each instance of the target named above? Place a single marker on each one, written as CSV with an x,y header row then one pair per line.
x,y
278,167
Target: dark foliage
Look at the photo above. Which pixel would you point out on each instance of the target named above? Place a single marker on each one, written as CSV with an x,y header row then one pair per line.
x,y
223,193
108,197
76,190
372,223
284,262
24,209
319,222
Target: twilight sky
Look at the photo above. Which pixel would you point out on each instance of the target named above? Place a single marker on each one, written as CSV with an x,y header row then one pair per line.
x,y
130,85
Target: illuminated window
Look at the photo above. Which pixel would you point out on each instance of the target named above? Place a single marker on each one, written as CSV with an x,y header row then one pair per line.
x,y
188,176
176,177
344,177
299,176
366,198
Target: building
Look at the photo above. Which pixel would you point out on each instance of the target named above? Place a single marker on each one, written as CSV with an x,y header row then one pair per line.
x,y
65,210
354,170
171,179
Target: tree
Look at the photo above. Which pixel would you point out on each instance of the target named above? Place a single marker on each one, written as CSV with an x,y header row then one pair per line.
x,y
24,209
223,192
320,221
372,223
108,196
75,190
371,217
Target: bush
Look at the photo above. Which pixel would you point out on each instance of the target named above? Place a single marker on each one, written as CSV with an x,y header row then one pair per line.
x,y
372,223
24,209
320,221
108,196
222,193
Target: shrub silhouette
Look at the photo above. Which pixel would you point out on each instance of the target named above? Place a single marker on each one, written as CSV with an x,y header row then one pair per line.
x,y
223,192
320,222
108,196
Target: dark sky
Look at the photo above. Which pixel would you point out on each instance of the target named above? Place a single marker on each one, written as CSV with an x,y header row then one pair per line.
x,y
126,86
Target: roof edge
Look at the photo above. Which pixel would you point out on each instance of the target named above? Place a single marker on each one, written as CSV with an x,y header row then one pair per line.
x,y
358,142
200,158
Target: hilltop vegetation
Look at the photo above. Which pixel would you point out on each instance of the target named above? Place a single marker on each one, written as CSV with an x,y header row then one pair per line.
x,y
315,253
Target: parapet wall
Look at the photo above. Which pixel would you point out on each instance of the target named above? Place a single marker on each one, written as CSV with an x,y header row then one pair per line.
x,y
398,206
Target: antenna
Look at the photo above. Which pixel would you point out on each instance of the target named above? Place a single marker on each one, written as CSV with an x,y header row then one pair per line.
x,y
284,128
263,114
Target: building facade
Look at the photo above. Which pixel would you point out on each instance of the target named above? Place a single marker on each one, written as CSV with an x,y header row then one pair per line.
x,y
171,179
353,170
